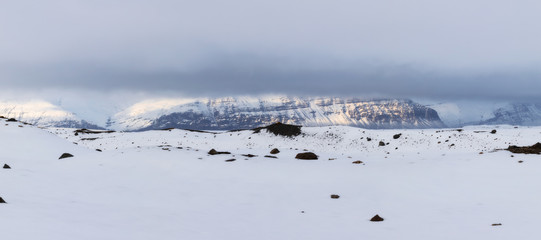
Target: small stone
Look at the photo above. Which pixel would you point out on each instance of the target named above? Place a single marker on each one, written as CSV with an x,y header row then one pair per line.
x,y
231,160
377,218
334,196
496,224
275,151
2,200
6,166
66,155
357,162
381,143
493,131
520,161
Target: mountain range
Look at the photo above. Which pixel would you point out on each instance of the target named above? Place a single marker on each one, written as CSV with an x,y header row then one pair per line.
x,y
250,112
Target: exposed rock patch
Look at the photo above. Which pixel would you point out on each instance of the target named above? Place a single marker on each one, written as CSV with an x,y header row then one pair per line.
x,y
335,196
6,166
397,136
84,130
2,200
275,151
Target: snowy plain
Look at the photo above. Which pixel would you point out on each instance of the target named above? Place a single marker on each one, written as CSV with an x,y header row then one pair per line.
x,y
427,184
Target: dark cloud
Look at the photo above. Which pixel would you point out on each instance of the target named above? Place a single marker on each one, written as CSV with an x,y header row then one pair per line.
x,y
423,49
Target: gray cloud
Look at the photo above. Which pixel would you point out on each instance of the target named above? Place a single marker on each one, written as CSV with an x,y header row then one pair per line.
x,y
426,49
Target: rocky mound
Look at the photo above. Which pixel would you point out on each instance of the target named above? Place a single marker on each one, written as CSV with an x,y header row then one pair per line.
x,y
281,129
534,149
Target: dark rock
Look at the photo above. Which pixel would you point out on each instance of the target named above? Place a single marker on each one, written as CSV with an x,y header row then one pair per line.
x,y
281,129
534,149
6,166
368,139
381,143
231,160
357,162
496,224
377,218
306,156
65,155
2,200
275,151
335,196
493,131
214,152
99,150
270,156
397,136
11,120
249,155
88,139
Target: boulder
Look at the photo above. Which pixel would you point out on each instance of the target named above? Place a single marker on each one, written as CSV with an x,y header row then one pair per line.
x,y
214,152
6,166
275,151
306,156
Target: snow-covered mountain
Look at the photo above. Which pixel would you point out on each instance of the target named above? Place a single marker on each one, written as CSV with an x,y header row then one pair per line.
x,y
248,112
43,114
458,114
525,114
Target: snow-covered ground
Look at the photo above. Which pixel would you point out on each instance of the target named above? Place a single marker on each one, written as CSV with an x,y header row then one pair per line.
x,y
427,184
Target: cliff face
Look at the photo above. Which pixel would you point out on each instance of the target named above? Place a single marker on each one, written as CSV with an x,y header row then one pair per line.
x,y
243,113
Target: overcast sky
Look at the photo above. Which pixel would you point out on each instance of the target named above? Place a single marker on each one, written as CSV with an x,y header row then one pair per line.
x,y
461,49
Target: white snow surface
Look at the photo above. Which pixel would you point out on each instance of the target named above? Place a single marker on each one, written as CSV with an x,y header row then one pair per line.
x,y
164,185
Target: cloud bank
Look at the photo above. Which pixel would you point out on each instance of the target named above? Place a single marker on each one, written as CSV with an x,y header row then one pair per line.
x,y
422,49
